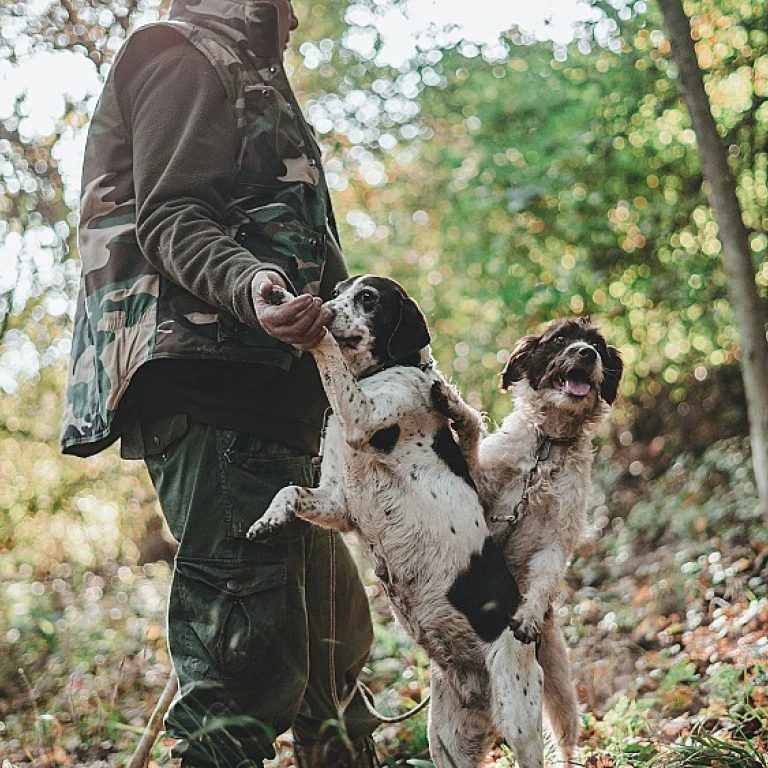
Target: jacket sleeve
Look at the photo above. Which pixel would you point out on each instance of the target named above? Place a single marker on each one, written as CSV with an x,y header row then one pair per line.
x,y
184,165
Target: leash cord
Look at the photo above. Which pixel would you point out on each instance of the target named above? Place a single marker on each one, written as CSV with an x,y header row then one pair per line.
x,y
365,692
367,696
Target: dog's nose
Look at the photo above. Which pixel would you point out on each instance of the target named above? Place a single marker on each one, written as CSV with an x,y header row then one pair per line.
x,y
588,354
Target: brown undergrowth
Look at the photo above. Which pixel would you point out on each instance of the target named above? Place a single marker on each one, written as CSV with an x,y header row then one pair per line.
x,y
665,611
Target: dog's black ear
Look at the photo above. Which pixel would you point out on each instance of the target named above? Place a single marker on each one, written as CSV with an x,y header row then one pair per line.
x,y
613,367
515,367
411,333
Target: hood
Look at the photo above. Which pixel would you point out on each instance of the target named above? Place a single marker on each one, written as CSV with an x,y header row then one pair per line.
x,y
251,25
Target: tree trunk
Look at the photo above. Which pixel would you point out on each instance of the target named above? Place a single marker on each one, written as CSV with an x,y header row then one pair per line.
x,y
749,310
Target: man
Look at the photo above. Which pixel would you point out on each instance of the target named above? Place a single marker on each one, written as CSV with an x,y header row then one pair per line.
x,y
202,189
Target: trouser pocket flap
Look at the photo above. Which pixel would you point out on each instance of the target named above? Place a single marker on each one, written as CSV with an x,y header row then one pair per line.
x,y
161,433
235,580
237,611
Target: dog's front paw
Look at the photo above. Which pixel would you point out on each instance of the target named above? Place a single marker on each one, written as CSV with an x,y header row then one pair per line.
x,y
447,401
526,626
265,527
281,511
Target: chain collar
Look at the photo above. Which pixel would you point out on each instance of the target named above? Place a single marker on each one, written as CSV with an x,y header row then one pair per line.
x,y
542,452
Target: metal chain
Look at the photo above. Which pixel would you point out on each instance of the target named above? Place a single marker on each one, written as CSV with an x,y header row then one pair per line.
x,y
541,453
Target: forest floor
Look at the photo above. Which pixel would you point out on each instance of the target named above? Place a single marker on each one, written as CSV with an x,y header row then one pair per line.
x,y
665,612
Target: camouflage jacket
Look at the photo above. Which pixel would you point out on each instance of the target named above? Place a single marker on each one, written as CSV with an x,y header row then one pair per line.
x,y
167,275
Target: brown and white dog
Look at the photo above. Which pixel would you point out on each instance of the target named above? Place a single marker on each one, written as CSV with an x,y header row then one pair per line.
x,y
393,473
534,485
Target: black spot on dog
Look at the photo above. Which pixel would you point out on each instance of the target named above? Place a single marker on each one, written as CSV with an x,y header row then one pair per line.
x,y
486,592
449,452
385,439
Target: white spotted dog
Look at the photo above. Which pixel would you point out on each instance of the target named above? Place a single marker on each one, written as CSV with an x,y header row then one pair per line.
x,y
534,484
393,472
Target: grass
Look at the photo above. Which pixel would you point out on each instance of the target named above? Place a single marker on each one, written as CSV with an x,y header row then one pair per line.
x,y
707,750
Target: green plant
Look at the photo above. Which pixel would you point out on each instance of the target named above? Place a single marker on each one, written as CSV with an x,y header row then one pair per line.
x,y
623,734
707,750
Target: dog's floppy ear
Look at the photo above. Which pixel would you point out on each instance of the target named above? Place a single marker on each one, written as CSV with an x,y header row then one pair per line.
x,y
613,367
411,333
515,367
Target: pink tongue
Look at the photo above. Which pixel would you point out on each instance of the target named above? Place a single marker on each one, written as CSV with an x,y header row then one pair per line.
x,y
577,388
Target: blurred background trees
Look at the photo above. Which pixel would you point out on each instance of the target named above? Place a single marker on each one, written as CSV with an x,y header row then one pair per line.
x,y
748,307
504,183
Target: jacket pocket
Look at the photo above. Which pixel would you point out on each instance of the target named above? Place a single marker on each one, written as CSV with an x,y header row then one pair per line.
x,y
278,146
238,612
274,234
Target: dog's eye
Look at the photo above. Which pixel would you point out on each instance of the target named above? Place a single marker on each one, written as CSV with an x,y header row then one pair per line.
x,y
559,340
335,293
367,299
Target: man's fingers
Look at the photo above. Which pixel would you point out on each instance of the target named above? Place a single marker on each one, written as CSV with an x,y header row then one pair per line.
x,y
313,335
298,319
288,313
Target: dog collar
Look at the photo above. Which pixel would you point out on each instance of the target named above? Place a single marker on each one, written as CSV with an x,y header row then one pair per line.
x,y
544,448
395,364
542,452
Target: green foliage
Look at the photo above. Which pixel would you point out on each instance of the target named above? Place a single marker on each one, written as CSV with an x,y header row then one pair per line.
x,y
709,495
704,750
624,733
503,185
681,673
84,512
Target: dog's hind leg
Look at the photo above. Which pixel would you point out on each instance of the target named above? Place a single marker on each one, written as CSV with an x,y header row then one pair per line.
x,y
459,736
560,703
516,698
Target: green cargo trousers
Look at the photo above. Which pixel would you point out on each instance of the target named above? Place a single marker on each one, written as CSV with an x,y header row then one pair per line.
x,y
263,637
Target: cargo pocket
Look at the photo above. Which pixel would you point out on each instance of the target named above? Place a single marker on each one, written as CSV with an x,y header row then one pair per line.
x,y
238,613
163,440
255,470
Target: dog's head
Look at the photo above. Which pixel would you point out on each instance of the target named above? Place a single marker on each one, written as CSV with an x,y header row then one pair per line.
x,y
377,324
570,363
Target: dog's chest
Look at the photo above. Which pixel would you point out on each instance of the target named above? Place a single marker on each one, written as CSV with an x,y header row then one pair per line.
x,y
403,490
407,495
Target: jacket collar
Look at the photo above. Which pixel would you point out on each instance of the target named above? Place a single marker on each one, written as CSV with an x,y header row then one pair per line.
x,y
249,23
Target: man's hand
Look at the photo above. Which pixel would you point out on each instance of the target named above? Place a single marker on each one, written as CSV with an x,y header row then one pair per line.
x,y
296,320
